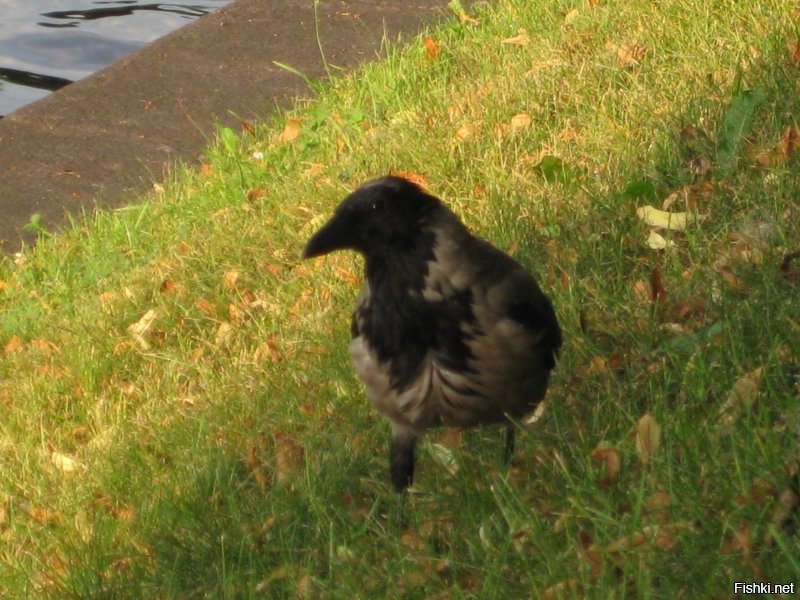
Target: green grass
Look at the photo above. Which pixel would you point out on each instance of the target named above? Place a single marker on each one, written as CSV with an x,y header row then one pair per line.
x,y
230,452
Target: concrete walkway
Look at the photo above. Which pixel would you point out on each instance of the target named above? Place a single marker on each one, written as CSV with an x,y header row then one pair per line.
x,y
102,140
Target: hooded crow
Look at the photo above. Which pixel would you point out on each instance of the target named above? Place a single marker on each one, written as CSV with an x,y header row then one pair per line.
x,y
448,329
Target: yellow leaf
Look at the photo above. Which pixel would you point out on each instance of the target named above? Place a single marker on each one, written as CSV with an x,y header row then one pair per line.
x,y
64,462
677,221
656,241
465,133
290,131
229,279
223,334
648,438
520,122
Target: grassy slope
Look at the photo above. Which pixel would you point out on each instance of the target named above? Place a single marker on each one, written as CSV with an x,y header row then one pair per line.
x,y
231,452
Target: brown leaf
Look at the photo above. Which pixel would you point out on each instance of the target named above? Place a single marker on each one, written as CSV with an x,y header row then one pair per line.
x,y
205,306
431,48
256,193
657,291
609,458
732,281
168,287
290,131
782,151
569,588
657,502
254,462
412,176
347,275
289,456
13,344
790,266
630,55
648,438
267,351
206,170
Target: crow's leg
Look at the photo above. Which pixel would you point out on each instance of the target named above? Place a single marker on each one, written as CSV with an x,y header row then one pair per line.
x,y
508,452
401,457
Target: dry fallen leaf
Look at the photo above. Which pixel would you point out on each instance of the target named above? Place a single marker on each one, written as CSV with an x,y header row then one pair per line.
x,y
223,334
64,462
520,122
13,344
677,221
230,278
742,396
412,176
431,47
288,456
522,39
648,438
657,289
290,131
630,55
465,133
783,149
206,306
139,329
254,462
609,458
267,351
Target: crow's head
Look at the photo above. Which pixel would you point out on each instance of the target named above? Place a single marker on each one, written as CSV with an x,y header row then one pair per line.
x,y
385,216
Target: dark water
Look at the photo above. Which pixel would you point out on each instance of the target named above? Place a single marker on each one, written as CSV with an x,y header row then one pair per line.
x,y
46,44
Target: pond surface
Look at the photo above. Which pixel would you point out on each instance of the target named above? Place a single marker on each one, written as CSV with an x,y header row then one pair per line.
x,y
46,44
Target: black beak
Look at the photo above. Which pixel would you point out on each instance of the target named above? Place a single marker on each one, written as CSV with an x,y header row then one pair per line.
x,y
336,234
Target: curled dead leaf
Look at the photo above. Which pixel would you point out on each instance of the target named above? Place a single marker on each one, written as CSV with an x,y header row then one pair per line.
x,y
289,456
431,48
465,133
609,458
13,344
521,39
65,463
520,122
206,306
742,397
223,334
230,278
648,438
139,330
630,55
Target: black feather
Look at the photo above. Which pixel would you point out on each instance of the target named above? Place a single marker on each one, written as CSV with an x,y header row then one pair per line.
x,y
448,329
